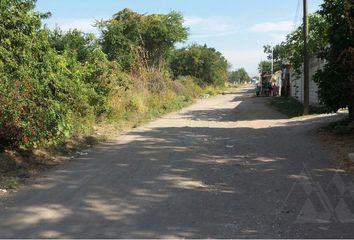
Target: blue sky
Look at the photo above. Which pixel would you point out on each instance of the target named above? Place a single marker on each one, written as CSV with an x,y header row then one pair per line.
x,y
237,28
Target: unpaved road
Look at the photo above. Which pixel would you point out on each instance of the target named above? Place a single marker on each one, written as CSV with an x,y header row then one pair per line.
x,y
226,167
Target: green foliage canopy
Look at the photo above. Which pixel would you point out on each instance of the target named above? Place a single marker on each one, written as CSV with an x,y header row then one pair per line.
x,y
201,62
291,50
128,31
265,66
336,81
239,76
330,38
54,84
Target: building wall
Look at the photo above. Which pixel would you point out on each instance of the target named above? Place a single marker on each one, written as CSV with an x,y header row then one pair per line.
x,y
297,82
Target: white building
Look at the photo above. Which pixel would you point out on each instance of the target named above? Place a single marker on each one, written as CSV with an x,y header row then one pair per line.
x,y
297,83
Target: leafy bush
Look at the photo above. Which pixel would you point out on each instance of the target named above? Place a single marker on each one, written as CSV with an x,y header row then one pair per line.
x,y
56,84
93,67
43,94
191,86
26,117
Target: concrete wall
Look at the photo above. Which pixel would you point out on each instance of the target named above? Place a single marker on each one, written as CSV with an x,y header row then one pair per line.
x,y
297,83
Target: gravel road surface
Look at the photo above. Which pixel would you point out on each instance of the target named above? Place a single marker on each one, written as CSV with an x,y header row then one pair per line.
x,y
225,167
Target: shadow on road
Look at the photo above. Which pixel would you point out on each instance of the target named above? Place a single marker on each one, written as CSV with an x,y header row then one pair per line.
x,y
248,107
184,182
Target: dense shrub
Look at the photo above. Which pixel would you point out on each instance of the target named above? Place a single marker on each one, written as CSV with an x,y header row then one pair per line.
x,y
43,94
28,114
26,117
56,84
95,70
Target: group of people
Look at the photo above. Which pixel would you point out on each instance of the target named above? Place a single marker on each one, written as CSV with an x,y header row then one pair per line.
x,y
269,89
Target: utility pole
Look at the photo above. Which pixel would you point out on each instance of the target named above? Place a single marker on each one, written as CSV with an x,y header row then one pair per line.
x,y
261,74
306,69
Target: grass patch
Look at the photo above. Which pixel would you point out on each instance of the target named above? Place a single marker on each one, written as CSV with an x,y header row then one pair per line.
x,y
211,91
215,90
171,105
288,106
293,108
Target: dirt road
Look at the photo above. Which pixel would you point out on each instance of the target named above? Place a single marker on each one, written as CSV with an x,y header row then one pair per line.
x,y
226,167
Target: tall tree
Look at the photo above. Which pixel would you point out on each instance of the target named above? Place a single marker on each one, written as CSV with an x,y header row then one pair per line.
x,y
200,62
276,54
240,76
336,87
291,50
265,66
154,34
347,56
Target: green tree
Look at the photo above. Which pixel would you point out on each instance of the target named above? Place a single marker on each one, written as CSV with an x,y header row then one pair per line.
x,y
83,46
240,76
201,62
265,66
96,70
129,31
291,50
336,83
279,52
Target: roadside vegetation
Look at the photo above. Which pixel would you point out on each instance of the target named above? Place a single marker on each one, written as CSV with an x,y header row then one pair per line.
x,y
55,85
57,88
288,106
339,135
292,107
240,76
331,37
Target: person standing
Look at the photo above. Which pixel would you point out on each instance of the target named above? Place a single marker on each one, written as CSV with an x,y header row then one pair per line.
x,y
258,90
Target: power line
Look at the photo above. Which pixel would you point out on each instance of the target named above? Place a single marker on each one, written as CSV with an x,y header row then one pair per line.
x,y
297,15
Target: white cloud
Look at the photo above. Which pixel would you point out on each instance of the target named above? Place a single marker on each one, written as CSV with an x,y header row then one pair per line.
x,y
83,24
210,27
283,26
